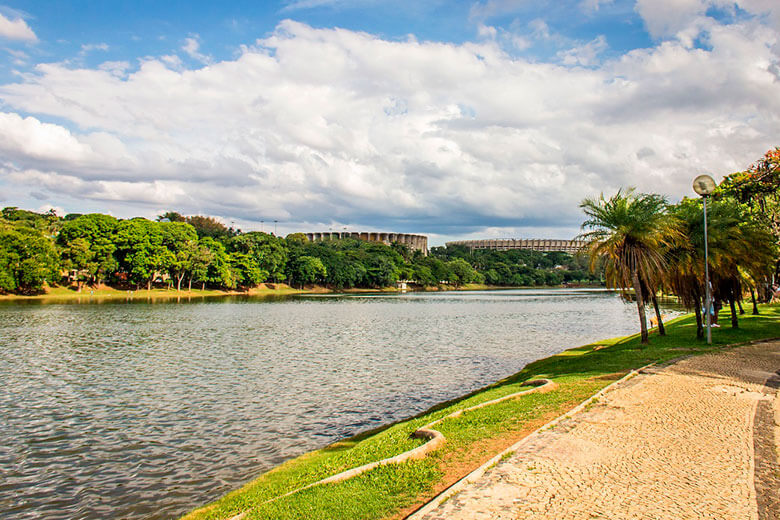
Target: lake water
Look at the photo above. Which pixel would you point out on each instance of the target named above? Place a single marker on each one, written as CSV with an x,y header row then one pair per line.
x,y
142,410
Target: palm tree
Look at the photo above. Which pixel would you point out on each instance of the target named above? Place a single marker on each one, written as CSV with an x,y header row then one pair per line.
x,y
737,246
630,231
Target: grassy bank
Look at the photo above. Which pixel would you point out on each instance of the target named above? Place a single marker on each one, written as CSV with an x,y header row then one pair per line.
x,y
395,490
105,293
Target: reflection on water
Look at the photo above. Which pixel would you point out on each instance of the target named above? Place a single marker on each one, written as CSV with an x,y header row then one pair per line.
x,y
146,411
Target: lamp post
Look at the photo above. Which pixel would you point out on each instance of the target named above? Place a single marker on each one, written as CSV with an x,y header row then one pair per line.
x,y
704,185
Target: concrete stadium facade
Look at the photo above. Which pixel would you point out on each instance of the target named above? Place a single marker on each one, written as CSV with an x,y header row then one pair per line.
x,y
534,244
414,242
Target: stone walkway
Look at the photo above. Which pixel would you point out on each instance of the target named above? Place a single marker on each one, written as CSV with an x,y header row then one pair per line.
x,y
672,443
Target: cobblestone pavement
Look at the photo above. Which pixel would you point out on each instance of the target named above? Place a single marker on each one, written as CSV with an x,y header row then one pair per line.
x,y
673,443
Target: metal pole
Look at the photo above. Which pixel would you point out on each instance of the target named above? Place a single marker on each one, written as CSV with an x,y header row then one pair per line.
x,y
708,298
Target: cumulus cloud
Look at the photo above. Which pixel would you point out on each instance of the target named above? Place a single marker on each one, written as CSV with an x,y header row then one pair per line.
x,y
16,29
320,127
665,18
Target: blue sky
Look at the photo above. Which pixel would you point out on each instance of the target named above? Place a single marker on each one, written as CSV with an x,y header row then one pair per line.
x,y
453,119
121,30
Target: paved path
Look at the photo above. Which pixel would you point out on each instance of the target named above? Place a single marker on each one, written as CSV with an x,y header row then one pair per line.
x,y
675,443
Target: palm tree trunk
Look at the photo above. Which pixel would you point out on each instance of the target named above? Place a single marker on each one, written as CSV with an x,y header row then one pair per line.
x,y
640,307
661,328
699,324
755,305
734,318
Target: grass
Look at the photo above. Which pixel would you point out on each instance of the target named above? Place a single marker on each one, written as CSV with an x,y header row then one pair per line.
x,y
105,293
472,438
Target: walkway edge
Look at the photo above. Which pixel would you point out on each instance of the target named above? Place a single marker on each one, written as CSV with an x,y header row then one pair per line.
x,y
477,473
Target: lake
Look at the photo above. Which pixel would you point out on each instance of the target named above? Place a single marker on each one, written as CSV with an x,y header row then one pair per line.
x,y
147,410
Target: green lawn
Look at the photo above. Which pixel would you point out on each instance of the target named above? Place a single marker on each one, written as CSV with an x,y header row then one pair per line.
x,y
472,438
88,294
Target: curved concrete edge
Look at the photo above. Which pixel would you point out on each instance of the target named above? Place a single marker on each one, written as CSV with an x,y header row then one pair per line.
x,y
477,473
435,440
541,386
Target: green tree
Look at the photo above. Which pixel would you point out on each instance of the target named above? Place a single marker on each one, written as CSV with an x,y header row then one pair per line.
x,y
266,251
630,232
308,269
28,259
210,227
179,239
246,269
98,231
382,271
77,256
218,271
737,244
200,258
47,223
140,250
757,191
171,216
462,270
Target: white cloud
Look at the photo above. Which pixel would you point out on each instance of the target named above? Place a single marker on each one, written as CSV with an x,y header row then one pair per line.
x,y
31,138
89,47
321,127
309,4
590,6
16,29
16,53
191,48
586,54
116,68
667,18
489,8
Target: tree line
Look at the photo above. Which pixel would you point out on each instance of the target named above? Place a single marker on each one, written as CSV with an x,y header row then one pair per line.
x,y
182,251
648,246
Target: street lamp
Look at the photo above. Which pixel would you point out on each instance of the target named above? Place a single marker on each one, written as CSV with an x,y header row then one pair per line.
x,y
704,185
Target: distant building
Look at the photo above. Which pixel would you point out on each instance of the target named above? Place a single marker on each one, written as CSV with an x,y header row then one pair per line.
x,y
414,242
534,244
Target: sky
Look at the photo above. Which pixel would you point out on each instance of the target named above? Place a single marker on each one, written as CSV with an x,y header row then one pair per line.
x,y
454,119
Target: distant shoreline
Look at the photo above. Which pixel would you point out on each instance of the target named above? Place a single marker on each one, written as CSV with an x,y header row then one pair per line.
x,y
106,293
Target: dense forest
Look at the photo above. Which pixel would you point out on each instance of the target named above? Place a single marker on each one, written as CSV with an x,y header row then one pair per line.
x,y
196,251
